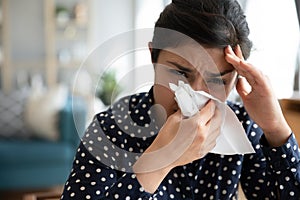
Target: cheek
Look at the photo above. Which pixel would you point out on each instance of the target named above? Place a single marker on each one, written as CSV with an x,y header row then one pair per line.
x,y
164,97
221,92
231,83
164,75
226,89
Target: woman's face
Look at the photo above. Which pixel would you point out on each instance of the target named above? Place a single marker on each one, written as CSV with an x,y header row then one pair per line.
x,y
205,70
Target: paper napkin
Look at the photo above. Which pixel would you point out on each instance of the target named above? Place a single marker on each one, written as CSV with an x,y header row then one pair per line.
x,y
232,139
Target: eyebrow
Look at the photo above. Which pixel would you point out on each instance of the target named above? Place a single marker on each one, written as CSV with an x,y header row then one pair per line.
x,y
210,74
220,73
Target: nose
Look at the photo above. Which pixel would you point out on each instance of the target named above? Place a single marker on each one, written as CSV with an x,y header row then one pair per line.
x,y
198,84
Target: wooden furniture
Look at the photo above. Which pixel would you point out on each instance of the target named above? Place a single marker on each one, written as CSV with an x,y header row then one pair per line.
x,y
55,195
291,111
36,38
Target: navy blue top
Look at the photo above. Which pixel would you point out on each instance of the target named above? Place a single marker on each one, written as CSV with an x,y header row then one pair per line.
x,y
118,136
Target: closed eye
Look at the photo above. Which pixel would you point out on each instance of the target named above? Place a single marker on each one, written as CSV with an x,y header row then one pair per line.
x,y
178,72
217,81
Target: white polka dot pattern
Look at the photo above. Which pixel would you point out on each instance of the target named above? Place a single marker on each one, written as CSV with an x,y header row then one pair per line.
x,y
115,139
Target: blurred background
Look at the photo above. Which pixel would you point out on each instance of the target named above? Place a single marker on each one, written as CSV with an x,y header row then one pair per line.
x,y
53,78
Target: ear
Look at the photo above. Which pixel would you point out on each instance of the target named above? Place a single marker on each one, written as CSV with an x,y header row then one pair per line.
x,y
150,46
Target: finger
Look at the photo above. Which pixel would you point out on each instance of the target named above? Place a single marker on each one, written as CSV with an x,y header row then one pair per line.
x,y
235,58
178,113
243,87
217,118
253,75
211,140
238,52
235,61
231,57
211,146
175,117
214,135
206,113
238,62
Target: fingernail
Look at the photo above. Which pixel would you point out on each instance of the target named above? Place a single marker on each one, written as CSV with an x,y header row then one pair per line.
x,y
239,48
230,48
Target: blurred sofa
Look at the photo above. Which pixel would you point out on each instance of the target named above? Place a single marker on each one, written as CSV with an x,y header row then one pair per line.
x,y
34,162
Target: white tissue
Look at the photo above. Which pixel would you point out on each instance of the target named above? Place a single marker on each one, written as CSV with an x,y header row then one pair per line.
x,y
232,139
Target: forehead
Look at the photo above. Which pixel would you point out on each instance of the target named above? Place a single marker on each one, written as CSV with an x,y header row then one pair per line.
x,y
198,57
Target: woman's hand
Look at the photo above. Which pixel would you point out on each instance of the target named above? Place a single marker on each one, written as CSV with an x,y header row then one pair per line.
x,y
194,137
179,142
259,99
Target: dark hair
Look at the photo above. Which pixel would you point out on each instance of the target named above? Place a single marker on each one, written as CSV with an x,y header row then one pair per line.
x,y
212,23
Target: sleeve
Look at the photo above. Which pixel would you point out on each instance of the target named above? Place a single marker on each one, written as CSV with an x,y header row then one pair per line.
x,y
284,164
271,173
90,179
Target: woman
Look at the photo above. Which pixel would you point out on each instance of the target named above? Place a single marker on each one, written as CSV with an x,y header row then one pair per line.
x,y
125,153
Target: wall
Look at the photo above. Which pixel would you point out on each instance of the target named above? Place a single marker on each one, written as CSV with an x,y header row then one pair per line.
x,y
108,21
274,30
27,29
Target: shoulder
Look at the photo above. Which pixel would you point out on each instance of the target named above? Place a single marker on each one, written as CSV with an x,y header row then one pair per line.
x,y
251,128
127,122
127,107
115,137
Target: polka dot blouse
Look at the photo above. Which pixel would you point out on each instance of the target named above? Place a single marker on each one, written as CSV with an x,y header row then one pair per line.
x,y
115,139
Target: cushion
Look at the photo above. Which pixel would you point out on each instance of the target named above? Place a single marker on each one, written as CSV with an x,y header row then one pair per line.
x,y
34,152
33,164
12,114
42,109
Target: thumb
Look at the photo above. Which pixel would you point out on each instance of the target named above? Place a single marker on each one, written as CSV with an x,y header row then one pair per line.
x,y
177,116
178,113
243,87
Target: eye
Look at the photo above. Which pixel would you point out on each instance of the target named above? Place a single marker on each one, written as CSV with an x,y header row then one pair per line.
x,y
178,73
217,81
